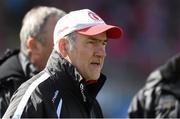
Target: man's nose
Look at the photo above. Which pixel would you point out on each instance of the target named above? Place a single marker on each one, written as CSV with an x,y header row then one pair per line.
x,y
100,51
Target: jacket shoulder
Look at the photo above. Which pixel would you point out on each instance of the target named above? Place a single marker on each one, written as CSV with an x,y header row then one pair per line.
x,y
7,54
154,79
18,95
143,101
10,66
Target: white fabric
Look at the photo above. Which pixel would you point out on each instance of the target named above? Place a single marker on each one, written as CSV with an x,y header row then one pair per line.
x,y
26,96
58,111
75,20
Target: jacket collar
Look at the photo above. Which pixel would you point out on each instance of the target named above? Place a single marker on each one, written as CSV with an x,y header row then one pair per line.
x,y
57,64
27,67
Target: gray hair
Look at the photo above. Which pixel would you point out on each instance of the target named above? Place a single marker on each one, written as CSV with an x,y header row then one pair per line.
x,y
71,39
34,22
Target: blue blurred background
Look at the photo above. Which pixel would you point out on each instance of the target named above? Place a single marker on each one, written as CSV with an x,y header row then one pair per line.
x,y
151,36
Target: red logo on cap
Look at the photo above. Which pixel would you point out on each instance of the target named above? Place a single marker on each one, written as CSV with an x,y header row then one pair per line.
x,y
94,16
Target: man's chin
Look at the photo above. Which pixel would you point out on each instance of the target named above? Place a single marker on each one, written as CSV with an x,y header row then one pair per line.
x,y
96,77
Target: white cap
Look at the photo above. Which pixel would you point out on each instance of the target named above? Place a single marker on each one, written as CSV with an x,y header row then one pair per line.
x,y
84,22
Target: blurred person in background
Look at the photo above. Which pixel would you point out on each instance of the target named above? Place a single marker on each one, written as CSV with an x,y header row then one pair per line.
x,y
72,78
36,37
160,97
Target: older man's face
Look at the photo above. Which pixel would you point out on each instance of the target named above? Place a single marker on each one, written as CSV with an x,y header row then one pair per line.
x,y
88,55
40,56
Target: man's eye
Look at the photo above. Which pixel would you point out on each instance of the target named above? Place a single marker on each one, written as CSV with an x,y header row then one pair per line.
x,y
91,42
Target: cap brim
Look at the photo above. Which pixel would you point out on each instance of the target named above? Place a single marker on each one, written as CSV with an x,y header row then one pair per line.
x,y
113,32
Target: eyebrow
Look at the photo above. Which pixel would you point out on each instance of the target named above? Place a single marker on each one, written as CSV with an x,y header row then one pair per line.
x,y
92,38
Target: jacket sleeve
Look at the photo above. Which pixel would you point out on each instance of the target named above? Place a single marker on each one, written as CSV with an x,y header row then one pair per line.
x,y
4,101
33,108
7,89
143,102
136,108
15,99
146,101
171,69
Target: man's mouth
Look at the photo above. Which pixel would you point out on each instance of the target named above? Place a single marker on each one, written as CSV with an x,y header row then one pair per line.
x,y
97,63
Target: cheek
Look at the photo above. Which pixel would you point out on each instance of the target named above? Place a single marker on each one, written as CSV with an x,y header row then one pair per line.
x,y
86,55
48,47
81,58
45,53
49,50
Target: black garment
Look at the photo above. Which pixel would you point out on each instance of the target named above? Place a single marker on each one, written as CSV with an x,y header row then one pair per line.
x,y
160,97
61,92
12,75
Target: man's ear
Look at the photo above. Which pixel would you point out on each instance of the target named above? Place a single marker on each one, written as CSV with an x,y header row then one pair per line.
x,y
32,45
63,47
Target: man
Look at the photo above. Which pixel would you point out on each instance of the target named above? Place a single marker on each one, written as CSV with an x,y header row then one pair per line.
x,y
36,37
68,86
160,97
